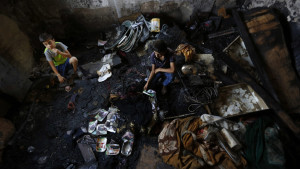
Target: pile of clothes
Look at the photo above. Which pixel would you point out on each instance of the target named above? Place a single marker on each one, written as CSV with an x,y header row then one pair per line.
x,y
189,143
213,141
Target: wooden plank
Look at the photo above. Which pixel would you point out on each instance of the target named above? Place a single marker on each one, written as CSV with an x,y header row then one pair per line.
x,y
268,37
256,59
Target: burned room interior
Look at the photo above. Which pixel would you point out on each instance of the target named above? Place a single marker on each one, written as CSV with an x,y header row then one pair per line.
x,y
177,84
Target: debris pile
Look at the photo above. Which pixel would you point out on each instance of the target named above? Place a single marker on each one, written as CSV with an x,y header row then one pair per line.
x,y
129,34
215,113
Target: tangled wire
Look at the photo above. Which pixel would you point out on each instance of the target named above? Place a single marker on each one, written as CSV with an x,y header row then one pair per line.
x,y
200,96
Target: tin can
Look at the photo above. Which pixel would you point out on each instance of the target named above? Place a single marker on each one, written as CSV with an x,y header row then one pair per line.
x,y
155,25
112,149
101,144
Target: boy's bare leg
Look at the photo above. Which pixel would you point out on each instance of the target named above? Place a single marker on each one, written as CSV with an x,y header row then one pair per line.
x,y
74,61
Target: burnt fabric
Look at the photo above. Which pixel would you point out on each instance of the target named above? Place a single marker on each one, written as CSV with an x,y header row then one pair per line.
x,y
136,109
188,153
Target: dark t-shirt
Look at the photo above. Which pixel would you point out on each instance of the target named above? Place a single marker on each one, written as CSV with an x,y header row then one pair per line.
x,y
169,57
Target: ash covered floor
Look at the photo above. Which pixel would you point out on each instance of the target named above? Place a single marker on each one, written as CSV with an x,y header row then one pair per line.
x,y
50,134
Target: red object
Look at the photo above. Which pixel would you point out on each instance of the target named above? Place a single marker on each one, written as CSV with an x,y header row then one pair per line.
x,y
71,106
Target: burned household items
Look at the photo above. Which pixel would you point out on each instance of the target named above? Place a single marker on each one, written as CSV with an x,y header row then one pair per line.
x,y
194,94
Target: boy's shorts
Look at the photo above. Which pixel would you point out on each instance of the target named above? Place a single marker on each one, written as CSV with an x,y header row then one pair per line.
x,y
63,68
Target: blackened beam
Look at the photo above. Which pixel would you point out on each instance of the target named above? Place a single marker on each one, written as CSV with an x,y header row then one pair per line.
x,y
270,101
222,33
257,62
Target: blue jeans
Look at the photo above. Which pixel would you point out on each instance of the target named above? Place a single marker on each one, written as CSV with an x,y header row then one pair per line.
x,y
63,68
168,77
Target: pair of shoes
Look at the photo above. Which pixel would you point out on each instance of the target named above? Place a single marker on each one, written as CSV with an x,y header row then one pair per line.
x,y
164,90
104,73
107,58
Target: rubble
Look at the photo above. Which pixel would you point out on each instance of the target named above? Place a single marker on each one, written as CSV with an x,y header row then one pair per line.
x,y
115,118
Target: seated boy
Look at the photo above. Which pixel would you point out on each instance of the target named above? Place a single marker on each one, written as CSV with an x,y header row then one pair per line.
x,y
58,56
162,60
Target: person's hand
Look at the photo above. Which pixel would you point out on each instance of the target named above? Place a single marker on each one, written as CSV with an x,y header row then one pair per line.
x,y
157,70
146,86
61,79
55,50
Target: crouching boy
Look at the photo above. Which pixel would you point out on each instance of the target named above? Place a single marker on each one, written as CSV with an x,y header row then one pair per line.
x,y
58,56
163,66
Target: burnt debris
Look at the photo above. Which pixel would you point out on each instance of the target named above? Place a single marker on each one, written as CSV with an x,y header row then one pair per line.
x,y
222,99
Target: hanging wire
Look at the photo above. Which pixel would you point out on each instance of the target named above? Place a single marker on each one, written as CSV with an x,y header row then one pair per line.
x,y
200,97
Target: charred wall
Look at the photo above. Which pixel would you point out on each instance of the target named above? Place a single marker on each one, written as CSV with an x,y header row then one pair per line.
x,y
23,21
